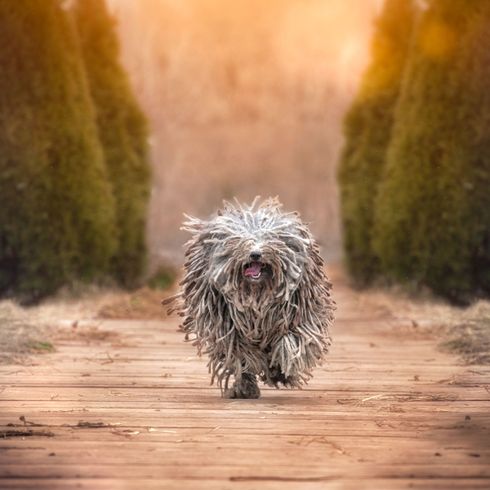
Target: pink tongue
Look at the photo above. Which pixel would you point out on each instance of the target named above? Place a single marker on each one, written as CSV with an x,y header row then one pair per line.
x,y
254,269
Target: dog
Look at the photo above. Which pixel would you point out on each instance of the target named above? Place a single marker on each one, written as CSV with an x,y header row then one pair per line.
x,y
255,297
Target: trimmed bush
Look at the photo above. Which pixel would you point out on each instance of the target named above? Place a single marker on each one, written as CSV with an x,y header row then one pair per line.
x,y
433,208
123,133
57,213
367,130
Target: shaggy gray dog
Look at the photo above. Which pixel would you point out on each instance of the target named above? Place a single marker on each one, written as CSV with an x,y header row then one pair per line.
x,y
255,298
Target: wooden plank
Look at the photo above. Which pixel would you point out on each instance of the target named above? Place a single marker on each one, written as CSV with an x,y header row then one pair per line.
x,y
313,453
243,484
184,470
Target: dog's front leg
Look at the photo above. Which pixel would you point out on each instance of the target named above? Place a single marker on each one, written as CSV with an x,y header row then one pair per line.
x,y
244,386
288,362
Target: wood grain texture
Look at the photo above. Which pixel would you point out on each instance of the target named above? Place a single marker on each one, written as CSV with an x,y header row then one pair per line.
x,y
387,411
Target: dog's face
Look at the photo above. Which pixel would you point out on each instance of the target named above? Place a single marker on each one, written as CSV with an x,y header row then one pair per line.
x,y
260,253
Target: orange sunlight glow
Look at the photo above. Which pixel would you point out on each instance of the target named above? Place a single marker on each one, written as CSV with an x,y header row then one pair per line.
x,y
318,37
245,98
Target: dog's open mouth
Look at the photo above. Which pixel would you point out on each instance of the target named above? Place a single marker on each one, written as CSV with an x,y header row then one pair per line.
x,y
254,270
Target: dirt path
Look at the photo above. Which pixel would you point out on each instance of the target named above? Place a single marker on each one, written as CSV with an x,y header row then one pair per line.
x,y
127,405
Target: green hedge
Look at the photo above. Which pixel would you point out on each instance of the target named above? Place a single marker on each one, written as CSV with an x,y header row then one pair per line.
x,y
367,131
432,223
123,133
57,213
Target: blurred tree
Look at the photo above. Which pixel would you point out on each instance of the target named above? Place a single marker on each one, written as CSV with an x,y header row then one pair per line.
x,y
123,132
367,130
433,209
57,213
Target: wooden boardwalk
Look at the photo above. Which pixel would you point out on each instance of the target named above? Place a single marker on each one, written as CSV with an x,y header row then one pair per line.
x,y
134,410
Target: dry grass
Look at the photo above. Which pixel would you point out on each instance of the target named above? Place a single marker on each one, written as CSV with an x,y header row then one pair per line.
x,y
21,335
471,340
465,331
72,315
25,332
143,304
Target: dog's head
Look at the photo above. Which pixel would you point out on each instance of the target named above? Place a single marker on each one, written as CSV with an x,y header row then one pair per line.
x,y
252,255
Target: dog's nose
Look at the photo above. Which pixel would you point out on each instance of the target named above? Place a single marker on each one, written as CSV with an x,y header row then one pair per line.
x,y
255,256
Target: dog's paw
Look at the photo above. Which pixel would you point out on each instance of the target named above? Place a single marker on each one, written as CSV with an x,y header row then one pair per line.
x,y
276,378
246,387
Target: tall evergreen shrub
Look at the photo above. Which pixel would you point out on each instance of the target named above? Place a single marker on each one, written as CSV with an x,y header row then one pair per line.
x,y
123,133
433,208
57,209
367,130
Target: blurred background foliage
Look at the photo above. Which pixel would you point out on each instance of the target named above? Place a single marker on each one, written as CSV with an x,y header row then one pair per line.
x,y
109,131
368,125
415,171
244,98
123,132
73,165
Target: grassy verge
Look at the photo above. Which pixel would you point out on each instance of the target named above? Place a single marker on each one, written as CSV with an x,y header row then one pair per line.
x,y
20,335
471,340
